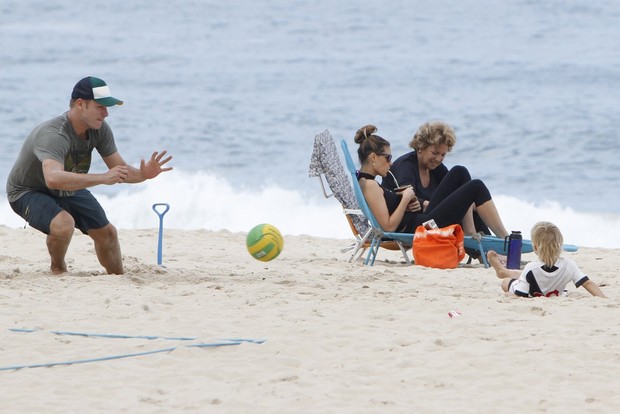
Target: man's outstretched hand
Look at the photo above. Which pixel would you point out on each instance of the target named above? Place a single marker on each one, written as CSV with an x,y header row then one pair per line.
x,y
155,165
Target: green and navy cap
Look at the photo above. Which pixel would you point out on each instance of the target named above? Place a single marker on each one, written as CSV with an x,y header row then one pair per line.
x,y
94,88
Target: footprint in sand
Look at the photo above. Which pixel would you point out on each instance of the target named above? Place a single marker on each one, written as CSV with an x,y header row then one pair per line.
x,y
538,311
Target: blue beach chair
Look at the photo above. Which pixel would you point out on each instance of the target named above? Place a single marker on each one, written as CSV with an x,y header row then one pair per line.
x,y
376,233
326,165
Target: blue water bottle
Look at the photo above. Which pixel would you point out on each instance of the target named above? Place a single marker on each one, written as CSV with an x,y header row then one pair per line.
x,y
515,240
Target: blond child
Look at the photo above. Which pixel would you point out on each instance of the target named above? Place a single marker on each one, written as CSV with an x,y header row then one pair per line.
x,y
548,275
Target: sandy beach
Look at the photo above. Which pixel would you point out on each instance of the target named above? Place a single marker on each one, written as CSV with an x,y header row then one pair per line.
x,y
338,337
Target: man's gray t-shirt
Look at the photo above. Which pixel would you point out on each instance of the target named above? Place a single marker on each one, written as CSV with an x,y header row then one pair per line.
x,y
56,139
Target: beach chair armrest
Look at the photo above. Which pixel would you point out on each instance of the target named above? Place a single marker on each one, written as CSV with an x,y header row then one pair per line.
x,y
353,211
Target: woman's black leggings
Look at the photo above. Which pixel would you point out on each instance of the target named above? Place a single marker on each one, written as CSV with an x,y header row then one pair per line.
x,y
450,202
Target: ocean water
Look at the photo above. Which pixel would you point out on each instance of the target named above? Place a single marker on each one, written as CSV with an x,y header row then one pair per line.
x,y
237,90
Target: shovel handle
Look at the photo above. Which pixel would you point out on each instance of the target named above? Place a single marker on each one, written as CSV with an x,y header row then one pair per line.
x,y
161,227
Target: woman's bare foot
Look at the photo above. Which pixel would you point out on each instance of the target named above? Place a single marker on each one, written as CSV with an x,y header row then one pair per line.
x,y
499,266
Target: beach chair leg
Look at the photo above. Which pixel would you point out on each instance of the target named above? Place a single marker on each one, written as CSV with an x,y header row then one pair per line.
x,y
357,255
360,246
403,250
372,251
483,255
375,252
369,253
356,249
349,248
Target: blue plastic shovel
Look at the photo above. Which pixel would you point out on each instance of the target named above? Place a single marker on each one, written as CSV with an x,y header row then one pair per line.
x,y
161,227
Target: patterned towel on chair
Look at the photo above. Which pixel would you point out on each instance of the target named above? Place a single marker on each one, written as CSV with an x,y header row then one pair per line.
x,y
325,160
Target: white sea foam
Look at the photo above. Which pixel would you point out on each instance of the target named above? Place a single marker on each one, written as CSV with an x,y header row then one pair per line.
x,y
205,201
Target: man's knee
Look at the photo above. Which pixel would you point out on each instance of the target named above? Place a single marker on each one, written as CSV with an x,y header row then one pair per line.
x,y
62,225
107,233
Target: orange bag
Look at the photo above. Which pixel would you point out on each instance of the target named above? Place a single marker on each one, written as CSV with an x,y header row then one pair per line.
x,y
439,248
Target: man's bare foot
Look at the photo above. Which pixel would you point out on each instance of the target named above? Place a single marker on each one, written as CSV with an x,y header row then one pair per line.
x,y
58,269
501,271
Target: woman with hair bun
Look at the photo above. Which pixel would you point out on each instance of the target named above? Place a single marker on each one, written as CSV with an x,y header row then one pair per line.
x,y
391,209
403,211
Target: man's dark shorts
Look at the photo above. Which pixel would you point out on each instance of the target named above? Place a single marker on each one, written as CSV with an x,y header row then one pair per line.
x,y
39,209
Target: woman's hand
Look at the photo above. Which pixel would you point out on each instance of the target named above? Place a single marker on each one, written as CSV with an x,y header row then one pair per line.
x,y
414,205
407,194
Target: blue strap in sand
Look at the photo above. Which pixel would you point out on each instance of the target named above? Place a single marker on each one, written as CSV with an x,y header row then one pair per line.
x,y
222,342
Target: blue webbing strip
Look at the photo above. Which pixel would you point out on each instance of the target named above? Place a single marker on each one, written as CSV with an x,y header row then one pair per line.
x,y
225,342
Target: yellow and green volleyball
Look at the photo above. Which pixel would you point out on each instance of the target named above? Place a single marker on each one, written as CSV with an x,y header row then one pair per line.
x,y
264,242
